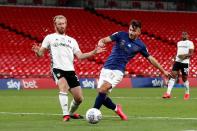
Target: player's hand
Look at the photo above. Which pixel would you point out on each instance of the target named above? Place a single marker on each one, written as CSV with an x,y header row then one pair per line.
x,y
167,74
35,48
101,44
182,57
99,49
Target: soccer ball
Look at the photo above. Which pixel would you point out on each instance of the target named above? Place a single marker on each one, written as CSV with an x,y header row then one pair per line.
x,y
93,115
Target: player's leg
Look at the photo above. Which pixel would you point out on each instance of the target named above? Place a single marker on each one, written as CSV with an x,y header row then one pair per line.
x,y
109,103
172,80
185,71
77,100
103,89
63,97
63,92
117,77
115,107
76,92
108,79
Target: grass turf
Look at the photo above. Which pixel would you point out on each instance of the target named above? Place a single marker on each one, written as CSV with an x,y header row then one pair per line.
x,y
146,110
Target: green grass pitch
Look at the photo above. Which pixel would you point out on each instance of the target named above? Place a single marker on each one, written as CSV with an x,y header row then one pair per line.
x,y
39,110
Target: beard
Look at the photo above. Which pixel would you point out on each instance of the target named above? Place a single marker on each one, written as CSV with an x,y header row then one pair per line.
x,y
132,37
61,30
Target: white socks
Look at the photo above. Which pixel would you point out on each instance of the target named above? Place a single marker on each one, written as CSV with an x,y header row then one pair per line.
x,y
63,98
186,84
73,107
171,83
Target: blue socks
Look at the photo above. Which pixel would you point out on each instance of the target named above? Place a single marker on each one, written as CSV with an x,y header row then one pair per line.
x,y
102,99
99,100
109,104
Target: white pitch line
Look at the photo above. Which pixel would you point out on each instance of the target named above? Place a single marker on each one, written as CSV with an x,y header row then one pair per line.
x,y
29,113
189,130
107,116
146,98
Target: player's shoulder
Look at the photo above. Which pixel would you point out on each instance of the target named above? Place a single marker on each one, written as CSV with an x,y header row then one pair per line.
x,y
140,42
71,39
120,33
183,41
123,33
189,41
51,35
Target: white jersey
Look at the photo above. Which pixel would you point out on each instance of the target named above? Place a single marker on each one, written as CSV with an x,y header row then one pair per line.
x,y
183,48
62,49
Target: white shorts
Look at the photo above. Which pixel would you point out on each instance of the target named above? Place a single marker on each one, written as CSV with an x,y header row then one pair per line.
x,y
111,76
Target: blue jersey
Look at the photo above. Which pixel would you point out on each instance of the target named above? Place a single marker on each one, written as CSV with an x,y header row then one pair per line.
x,y
124,50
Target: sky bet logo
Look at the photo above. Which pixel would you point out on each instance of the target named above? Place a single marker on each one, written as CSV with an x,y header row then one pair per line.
x,y
15,84
29,84
157,83
87,83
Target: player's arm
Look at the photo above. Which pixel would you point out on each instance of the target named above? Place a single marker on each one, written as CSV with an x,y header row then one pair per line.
x,y
38,50
81,55
154,62
186,56
104,40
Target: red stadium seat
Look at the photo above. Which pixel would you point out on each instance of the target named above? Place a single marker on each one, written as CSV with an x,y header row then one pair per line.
x,y
20,61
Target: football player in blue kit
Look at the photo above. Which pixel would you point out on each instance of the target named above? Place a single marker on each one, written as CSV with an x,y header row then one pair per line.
x,y
127,45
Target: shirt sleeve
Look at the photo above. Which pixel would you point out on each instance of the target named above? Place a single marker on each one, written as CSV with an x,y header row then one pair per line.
x,y
115,36
76,47
191,45
144,52
46,42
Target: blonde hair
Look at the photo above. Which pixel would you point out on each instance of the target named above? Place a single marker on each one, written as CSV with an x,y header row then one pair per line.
x,y
58,17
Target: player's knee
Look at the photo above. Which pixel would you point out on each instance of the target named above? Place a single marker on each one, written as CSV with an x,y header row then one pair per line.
x,y
184,78
63,89
102,90
173,75
79,100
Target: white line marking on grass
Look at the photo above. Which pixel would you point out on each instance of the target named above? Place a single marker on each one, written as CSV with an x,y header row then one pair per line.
x,y
146,98
107,116
29,113
170,118
189,130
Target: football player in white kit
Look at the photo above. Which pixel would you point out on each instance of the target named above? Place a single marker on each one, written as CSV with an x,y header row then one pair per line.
x,y
62,50
185,49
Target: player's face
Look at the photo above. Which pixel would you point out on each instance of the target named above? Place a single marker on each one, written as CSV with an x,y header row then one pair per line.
x,y
134,32
60,25
184,36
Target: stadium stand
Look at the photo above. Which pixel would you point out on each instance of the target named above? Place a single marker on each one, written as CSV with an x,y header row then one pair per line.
x,y
21,27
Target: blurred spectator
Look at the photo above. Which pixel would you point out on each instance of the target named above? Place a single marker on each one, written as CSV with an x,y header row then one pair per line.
x,y
37,2
89,4
112,4
136,4
62,2
12,1
181,5
159,5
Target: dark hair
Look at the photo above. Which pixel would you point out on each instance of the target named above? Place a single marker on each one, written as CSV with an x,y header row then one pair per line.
x,y
136,23
184,33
